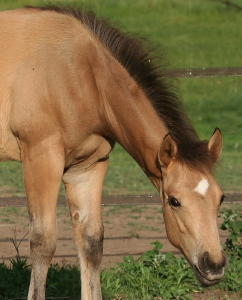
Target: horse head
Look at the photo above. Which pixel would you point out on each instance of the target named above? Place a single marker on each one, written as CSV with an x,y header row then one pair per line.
x,y
191,200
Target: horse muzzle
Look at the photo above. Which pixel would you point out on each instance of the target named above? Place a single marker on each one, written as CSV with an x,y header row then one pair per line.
x,y
209,272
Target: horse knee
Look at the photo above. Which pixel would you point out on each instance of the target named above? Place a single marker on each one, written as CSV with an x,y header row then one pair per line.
x,y
42,240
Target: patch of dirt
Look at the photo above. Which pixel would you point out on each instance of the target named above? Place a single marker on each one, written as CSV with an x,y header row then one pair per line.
x,y
216,295
129,230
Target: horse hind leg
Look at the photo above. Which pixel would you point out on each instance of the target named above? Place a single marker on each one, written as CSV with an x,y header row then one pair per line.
x,y
43,171
84,192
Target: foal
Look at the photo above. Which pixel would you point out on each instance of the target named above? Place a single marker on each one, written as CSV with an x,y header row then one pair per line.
x,y
72,87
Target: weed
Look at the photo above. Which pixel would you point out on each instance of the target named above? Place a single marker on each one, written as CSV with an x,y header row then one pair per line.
x,y
17,243
233,224
152,275
233,247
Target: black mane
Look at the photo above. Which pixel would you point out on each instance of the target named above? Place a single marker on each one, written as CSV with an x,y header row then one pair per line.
x,y
138,62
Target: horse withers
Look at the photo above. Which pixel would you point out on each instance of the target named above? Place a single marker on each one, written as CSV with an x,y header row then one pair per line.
x,y
72,86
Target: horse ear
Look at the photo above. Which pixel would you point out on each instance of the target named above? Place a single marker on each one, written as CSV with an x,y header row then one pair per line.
x,y
215,144
167,151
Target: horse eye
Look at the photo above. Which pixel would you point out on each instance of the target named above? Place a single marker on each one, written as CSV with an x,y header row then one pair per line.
x,y
222,199
173,201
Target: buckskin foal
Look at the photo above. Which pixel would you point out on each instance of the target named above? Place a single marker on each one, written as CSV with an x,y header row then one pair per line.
x,y
71,86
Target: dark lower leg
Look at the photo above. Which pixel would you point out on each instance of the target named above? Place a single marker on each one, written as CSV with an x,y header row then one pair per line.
x,y
90,250
42,248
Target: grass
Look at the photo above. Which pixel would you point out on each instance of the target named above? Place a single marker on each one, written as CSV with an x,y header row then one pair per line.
x,y
152,276
192,33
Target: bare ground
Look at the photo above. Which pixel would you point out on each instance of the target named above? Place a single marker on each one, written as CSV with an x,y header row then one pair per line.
x,y
129,230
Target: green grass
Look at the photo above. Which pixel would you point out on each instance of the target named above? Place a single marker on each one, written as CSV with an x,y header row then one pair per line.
x,y
191,33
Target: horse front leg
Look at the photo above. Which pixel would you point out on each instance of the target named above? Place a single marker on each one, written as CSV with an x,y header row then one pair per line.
x,y
84,190
43,171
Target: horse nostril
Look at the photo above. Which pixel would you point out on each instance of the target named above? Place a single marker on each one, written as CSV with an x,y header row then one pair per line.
x,y
206,265
204,262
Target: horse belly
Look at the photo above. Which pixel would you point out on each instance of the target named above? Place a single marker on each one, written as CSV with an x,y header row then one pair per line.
x,y
9,149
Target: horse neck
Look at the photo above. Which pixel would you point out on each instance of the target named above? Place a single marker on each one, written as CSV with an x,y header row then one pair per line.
x,y
133,122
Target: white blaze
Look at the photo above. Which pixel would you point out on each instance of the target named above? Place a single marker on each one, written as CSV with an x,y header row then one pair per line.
x,y
202,187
